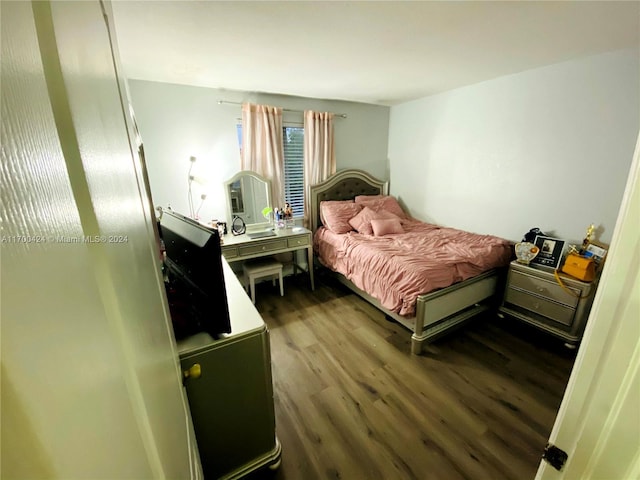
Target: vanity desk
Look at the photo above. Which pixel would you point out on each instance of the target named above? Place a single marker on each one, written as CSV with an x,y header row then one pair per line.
x,y
242,247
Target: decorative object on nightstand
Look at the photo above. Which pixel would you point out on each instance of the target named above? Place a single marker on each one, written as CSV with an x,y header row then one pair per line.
x,y
580,267
591,249
578,263
597,251
551,250
531,235
526,252
587,239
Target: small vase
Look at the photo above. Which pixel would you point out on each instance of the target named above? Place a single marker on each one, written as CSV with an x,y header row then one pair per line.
x,y
526,252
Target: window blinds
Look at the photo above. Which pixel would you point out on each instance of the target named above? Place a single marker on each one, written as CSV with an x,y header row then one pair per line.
x,y
294,169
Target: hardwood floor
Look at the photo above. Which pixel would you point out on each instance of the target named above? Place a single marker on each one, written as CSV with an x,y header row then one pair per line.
x,y
353,403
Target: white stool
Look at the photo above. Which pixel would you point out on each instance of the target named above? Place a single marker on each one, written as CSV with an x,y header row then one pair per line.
x,y
260,269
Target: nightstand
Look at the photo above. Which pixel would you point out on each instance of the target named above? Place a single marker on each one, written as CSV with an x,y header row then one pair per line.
x,y
533,295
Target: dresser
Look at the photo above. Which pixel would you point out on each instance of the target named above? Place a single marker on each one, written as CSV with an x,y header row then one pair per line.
x,y
533,295
230,391
243,247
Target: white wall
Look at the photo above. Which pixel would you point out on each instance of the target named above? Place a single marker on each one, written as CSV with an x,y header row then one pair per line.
x,y
177,121
548,148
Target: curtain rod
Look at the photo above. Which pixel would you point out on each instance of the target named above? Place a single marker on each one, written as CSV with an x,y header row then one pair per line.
x,y
224,102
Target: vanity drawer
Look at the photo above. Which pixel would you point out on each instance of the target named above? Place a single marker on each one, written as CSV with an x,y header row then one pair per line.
x,y
544,288
229,252
552,310
262,247
298,241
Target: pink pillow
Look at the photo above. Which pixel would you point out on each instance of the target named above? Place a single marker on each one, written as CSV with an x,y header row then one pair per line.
x,y
335,215
362,221
381,202
386,226
365,198
331,204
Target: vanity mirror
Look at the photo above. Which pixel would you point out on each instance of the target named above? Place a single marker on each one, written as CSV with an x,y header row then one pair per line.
x,y
247,195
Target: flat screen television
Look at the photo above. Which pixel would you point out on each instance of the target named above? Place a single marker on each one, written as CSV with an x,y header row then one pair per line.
x,y
195,281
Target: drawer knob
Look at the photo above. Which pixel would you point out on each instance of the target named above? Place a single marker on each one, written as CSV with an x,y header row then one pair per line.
x,y
264,248
194,372
540,289
536,306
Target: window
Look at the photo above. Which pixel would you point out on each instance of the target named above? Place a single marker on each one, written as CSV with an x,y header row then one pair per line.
x,y
294,169
293,138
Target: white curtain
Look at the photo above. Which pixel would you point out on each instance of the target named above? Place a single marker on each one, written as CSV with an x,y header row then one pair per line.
x,y
319,155
262,146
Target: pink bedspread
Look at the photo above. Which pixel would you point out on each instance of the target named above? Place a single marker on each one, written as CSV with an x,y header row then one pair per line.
x,y
396,269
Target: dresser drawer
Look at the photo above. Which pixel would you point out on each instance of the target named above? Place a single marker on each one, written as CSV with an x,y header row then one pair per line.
x,y
554,311
298,241
544,288
263,247
229,252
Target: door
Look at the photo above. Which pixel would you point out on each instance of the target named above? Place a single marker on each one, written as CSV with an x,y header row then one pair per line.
x,y
598,424
90,377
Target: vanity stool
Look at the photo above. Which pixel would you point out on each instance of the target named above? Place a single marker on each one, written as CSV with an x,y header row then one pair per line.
x,y
261,268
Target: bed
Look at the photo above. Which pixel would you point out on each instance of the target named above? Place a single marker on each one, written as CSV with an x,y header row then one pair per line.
x,y
445,301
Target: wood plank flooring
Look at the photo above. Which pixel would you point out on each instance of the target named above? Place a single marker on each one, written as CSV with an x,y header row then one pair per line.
x,y
352,402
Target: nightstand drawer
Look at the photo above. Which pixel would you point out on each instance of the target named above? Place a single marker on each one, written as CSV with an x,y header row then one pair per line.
x,y
554,311
544,288
263,247
298,241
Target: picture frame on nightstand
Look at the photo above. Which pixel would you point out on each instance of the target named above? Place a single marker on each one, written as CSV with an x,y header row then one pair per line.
x,y
551,251
597,251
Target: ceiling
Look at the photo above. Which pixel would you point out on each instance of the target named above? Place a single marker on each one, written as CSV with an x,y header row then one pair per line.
x,y
376,52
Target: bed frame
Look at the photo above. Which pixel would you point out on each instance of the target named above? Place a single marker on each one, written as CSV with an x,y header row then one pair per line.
x,y
437,312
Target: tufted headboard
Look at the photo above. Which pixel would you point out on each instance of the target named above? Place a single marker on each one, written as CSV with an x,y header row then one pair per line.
x,y
343,185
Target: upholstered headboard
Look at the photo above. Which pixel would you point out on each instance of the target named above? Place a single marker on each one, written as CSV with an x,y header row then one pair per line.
x,y
343,185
